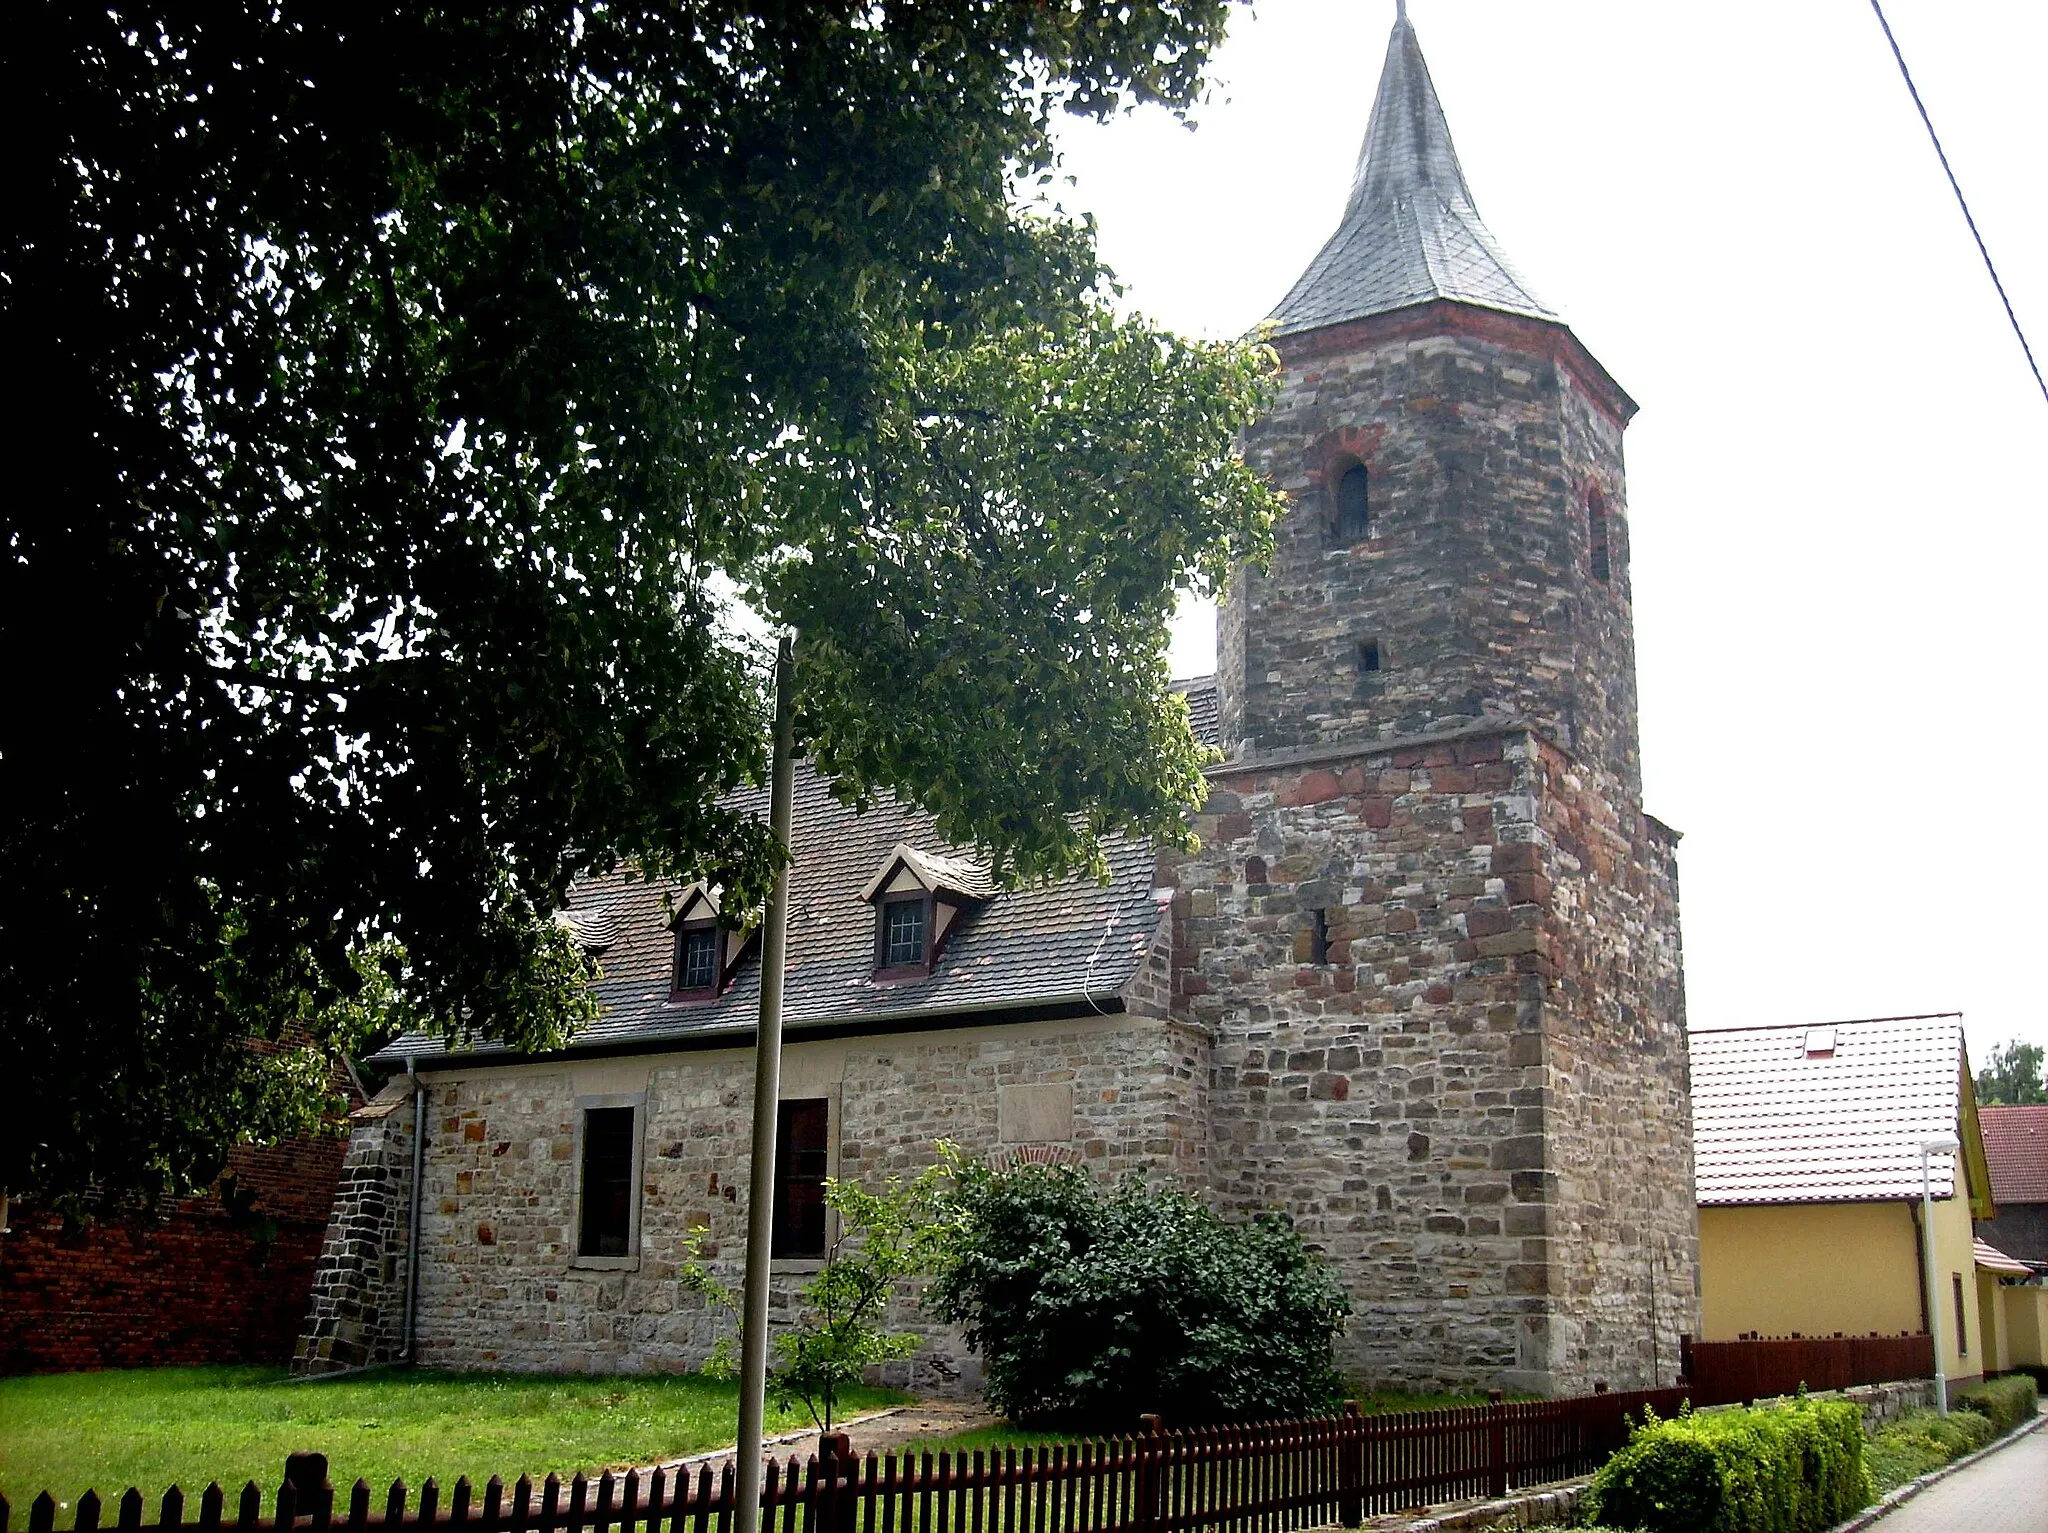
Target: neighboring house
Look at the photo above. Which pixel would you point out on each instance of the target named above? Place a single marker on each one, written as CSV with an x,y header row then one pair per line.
x,y
2016,1144
1806,1146
1420,987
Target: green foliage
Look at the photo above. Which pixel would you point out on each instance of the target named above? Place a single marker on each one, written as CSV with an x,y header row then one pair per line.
x,y
2012,1075
415,383
2004,1402
1094,1307
885,1242
1794,1468
1920,1442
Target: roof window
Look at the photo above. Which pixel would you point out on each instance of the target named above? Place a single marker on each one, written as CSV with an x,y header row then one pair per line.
x,y
1820,1042
919,898
706,953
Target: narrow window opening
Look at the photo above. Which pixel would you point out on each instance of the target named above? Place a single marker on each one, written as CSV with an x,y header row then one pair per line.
x,y
800,1167
1354,512
1368,656
1962,1328
1596,528
903,933
1319,938
607,1223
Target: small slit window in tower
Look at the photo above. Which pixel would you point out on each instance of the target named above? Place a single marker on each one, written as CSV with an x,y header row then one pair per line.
x,y
1596,528
1368,656
1319,937
1354,518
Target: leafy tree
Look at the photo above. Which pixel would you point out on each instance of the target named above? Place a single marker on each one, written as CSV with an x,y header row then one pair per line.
x,y
2011,1077
884,1242
1094,1307
407,386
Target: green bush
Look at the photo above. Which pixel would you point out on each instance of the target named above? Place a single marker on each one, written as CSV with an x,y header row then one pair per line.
x,y
1920,1442
1794,1468
1093,1307
2005,1402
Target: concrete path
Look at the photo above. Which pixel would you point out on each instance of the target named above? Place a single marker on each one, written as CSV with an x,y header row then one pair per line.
x,y
2003,1492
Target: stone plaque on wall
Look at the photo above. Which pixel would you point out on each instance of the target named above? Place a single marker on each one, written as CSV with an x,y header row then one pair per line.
x,y
1035,1114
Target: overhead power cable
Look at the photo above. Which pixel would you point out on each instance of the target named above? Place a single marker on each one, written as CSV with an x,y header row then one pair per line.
x,y
1961,201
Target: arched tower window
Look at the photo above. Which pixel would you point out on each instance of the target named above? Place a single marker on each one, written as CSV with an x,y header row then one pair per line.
x,y
1354,517
1596,531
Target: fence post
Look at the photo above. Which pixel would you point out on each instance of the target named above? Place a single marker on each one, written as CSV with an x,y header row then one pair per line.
x,y
838,1475
1496,1443
306,1473
1351,1466
1151,1480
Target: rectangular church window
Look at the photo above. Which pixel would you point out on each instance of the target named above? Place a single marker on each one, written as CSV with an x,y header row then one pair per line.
x,y
801,1162
606,1226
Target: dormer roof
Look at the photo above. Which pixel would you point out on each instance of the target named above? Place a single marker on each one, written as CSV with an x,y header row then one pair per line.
x,y
936,871
1411,232
696,902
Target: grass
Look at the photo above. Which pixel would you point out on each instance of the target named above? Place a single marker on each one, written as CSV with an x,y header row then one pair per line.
x,y
152,1428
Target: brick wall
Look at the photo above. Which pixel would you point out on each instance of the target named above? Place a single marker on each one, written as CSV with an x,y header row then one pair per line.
x,y
199,1285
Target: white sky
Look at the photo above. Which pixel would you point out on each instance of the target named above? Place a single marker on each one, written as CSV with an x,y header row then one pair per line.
x,y
1835,484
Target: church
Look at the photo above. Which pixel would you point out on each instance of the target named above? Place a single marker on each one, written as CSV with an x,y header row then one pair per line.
x,y
1420,987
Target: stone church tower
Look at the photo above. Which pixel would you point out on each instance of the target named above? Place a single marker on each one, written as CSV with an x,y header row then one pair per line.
x,y
1432,935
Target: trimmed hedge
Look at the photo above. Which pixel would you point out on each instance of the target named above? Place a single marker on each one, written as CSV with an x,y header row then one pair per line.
x,y
1794,1468
1920,1442
2005,1402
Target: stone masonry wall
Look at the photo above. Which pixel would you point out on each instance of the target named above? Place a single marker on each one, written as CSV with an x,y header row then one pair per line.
x,y
501,1289
1482,436
356,1315
1399,1099
1623,1231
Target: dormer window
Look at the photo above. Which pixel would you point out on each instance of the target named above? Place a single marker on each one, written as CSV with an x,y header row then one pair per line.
x,y
697,958
704,950
903,929
920,898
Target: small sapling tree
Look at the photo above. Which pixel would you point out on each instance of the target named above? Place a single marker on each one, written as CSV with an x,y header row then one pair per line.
x,y
884,1242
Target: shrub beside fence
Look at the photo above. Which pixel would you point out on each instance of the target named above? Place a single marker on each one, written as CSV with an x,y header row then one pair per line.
x,y
1764,1367
1265,1477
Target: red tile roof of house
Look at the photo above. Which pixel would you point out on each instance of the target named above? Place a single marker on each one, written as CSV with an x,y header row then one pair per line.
x,y
2016,1141
1824,1114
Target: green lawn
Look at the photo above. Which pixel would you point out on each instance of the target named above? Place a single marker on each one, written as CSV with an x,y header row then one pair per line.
x,y
152,1428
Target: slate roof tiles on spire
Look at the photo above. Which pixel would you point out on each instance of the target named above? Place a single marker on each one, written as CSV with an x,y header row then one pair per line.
x,y
1411,232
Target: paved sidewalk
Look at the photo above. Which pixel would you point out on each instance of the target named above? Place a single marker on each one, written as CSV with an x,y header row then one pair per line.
x,y
2003,1492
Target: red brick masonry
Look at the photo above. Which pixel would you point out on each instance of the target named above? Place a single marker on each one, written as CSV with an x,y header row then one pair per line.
x,y
200,1284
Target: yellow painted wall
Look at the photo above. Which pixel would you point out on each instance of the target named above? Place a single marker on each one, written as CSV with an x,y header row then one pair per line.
x,y
1814,1268
1994,1356
2026,1325
1956,1257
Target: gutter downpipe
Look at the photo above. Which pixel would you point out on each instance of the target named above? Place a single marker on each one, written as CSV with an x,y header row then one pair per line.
x,y
412,1226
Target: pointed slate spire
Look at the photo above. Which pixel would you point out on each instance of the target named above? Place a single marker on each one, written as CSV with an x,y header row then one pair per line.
x,y
1410,232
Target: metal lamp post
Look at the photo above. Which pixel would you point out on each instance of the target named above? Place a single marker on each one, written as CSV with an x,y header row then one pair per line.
x,y
1941,1144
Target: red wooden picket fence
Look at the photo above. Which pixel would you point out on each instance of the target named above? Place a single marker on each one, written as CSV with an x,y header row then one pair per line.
x,y
1764,1367
1263,1477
